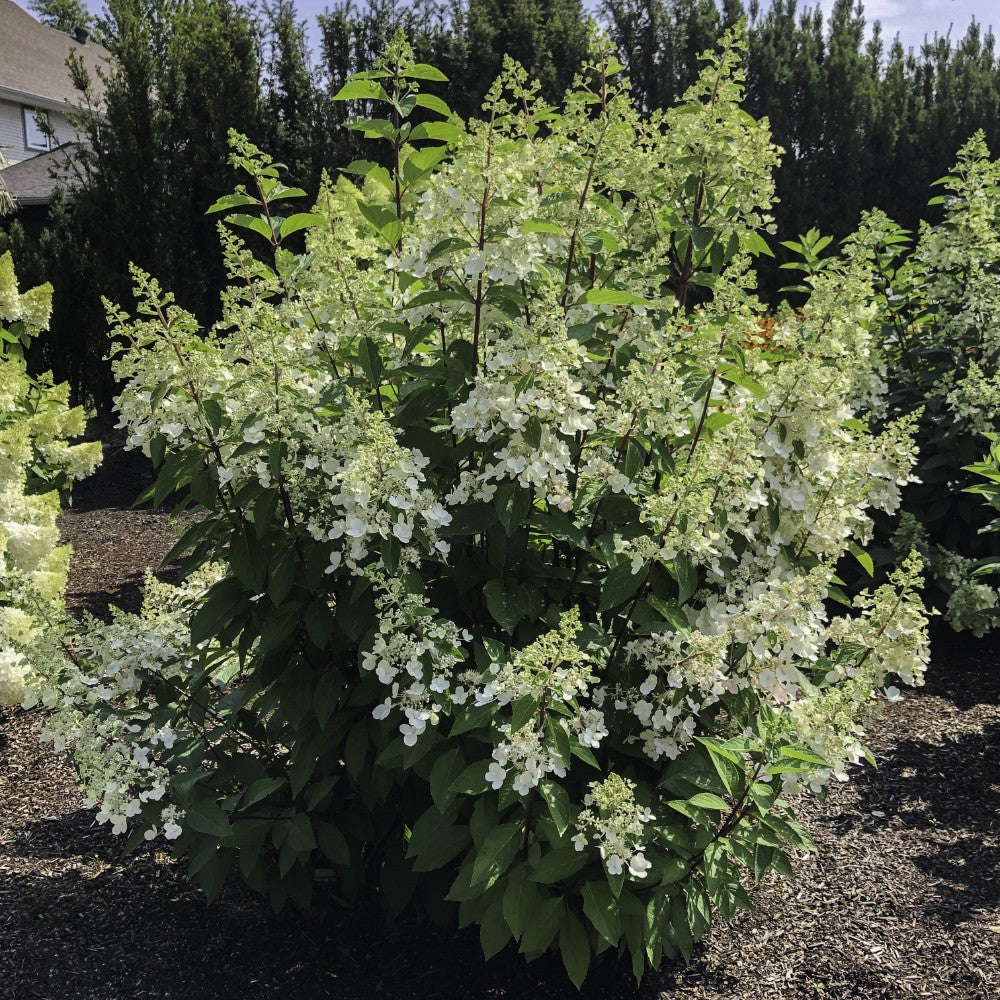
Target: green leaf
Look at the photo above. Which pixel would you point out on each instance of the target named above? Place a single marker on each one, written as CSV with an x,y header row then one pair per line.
x,y
808,756
252,223
214,872
602,911
260,789
423,71
301,220
755,244
223,602
542,926
432,103
687,577
619,585
558,864
245,558
206,816
557,799
675,870
332,843
447,769
436,840
371,361
513,505
520,900
497,852
439,131
708,800
326,695
420,405
574,947
228,201
212,411
281,574
524,711
493,930
361,90
864,559
319,620
356,748
300,836
614,297
508,604
472,781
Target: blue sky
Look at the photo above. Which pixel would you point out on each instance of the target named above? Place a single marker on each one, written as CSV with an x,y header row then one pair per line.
x,y
913,20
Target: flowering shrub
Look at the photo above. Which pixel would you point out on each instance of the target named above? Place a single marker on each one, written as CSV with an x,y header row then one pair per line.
x,y
939,312
35,461
510,585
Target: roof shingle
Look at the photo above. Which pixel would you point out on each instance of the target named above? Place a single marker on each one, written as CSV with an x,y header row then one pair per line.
x,y
33,181
33,59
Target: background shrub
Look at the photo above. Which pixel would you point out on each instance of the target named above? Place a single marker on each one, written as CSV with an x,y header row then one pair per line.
x,y
938,310
36,461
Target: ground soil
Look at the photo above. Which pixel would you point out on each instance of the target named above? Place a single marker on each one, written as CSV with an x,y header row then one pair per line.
x,y
903,899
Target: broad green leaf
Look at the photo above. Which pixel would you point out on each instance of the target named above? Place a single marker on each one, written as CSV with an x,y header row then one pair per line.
x,y
507,603
497,852
205,816
228,201
252,223
614,297
301,220
424,71
707,800
361,90
557,799
332,843
520,900
619,585
440,131
447,769
601,910
864,559
574,947
259,790
493,930
558,864
300,836
433,103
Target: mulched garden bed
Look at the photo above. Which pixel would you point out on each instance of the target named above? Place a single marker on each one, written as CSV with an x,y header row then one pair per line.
x,y
902,901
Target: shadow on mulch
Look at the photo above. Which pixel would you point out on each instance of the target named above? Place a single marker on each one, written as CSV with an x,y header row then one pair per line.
x,y
113,538
948,789
103,937
117,482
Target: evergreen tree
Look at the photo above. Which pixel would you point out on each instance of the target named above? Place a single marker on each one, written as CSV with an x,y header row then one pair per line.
x,y
295,132
153,156
549,37
661,42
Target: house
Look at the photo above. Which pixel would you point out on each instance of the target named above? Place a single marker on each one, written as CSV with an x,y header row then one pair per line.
x,y
36,95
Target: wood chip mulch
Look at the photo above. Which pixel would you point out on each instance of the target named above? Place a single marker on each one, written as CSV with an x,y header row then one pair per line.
x,y
903,900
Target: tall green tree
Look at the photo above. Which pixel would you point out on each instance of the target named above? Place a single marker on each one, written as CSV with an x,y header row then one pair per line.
x,y
295,127
549,37
66,15
153,154
661,42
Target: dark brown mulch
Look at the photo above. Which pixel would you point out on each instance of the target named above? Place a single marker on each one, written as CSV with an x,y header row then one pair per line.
x,y
903,900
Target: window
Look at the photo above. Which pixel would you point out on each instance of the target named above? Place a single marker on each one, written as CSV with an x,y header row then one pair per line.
x,y
35,125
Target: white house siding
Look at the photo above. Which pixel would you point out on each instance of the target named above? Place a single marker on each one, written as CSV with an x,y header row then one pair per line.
x,y
12,131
